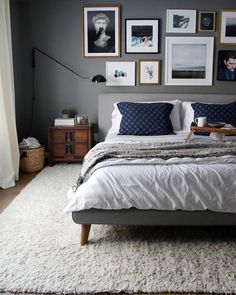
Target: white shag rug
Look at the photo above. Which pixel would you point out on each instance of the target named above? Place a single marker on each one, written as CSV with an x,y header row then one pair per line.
x,y
40,251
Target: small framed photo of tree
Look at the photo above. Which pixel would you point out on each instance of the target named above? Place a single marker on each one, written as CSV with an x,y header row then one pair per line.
x,y
149,72
206,21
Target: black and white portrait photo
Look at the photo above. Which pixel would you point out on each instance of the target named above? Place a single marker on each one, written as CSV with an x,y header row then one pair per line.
x,y
101,31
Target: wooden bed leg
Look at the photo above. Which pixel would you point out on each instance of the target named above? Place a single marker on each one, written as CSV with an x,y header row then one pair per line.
x,y
84,233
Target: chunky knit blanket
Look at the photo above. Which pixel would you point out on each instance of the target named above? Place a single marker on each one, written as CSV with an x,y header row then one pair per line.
x,y
165,151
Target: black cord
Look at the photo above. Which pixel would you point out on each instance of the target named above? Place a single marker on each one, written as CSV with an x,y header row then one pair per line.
x,y
33,101
57,61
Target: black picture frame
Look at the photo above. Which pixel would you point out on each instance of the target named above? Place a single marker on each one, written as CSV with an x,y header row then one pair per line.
x,y
226,70
206,21
142,35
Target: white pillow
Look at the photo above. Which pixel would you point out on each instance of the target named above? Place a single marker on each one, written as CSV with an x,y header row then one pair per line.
x,y
186,114
174,116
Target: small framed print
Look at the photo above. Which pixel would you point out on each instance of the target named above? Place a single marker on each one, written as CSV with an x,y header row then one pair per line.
x,y
81,120
120,73
142,35
149,72
101,30
228,27
226,65
206,21
189,60
180,21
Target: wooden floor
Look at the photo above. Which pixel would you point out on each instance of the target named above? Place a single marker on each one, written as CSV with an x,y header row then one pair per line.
x,y
7,195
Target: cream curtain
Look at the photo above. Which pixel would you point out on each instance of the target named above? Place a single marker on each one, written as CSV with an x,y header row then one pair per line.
x,y
9,152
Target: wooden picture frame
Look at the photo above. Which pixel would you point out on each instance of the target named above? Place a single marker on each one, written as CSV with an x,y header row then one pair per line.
x,y
180,21
189,61
206,21
142,35
149,72
81,120
101,30
227,34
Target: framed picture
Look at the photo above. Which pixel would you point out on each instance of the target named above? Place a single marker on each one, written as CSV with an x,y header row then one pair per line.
x,y
228,27
206,21
142,35
180,21
149,72
101,30
189,60
226,65
120,73
81,120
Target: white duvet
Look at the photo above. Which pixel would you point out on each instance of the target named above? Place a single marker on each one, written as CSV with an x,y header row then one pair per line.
x,y
194,184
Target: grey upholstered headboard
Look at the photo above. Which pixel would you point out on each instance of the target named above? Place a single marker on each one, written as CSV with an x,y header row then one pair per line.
x,y
106,101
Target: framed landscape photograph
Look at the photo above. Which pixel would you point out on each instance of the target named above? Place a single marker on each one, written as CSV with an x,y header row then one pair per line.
x,y
180,21
141,35
189,60
228,27
226,65
120,73
206,21
101,30
149,72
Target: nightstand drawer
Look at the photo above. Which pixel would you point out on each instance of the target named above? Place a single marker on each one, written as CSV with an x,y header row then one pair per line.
x,y
69,143
81,136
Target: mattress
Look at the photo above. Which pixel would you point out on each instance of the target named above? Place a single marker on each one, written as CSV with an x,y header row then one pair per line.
x,y
194,184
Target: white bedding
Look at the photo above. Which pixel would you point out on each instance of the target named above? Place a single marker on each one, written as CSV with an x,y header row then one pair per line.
x,y
195,184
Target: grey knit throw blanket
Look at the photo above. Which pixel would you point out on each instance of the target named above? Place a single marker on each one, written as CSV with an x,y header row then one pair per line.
x,y
103,151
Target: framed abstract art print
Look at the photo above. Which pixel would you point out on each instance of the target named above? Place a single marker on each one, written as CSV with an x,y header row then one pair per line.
x,y
142,36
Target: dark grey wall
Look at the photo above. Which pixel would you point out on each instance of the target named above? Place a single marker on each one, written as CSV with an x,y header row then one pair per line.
x,y
55,26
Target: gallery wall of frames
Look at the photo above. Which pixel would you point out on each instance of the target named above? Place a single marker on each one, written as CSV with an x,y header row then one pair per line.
x,y
188,58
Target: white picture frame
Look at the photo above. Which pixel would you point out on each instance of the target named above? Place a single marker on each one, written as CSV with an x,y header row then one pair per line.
x,y
227,27
141,35
120,73
149,72
180,21
189,60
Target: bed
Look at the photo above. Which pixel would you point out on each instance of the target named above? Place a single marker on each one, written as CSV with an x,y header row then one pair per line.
x,y
145,214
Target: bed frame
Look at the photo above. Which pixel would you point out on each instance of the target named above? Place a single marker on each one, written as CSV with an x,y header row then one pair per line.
x,y
148,217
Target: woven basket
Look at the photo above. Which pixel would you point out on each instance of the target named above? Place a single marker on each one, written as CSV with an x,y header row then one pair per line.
x,y
32,160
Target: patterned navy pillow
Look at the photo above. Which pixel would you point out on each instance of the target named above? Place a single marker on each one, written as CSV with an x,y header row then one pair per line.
x,y
145,118
216,112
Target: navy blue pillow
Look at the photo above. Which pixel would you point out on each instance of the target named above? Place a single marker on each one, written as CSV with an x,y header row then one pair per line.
x,y
216,112
145,118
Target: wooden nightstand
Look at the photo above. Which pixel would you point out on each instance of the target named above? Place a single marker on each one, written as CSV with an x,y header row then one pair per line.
x,y
69,143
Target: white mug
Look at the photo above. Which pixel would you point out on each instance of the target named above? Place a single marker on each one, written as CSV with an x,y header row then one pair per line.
x,y
201,121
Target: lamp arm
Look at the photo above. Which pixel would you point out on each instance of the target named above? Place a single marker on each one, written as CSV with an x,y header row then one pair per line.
x,y
58,62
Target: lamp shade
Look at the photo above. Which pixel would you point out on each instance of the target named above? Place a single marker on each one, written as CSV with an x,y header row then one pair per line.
x,y
98,79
